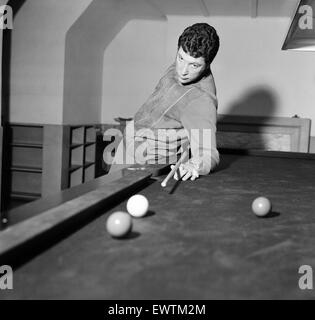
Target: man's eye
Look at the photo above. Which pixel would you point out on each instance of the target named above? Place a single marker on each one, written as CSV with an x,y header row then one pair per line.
x,y
195,66
180,58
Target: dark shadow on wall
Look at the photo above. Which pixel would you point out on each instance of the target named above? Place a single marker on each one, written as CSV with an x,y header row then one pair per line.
x,y
257,102
5,105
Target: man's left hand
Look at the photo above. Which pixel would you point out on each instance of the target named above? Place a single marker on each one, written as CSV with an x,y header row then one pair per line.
x,y
186,171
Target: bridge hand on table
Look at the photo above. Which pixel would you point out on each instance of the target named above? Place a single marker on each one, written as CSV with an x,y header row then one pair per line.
x,y
186,171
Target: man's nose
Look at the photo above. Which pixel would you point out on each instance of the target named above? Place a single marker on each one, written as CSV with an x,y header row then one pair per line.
x,y
185,70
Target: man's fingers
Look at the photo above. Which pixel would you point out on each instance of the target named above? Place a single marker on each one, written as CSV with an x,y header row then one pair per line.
x,y
195,174
179,173
186,176
184,173
175,174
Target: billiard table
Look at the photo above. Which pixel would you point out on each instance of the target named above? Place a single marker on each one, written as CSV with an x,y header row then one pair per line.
x,y
199,240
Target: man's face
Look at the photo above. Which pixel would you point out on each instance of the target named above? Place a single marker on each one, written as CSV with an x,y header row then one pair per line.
x,y
188,68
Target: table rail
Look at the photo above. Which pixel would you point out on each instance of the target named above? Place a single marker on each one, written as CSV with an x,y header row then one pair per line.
x,y
30,236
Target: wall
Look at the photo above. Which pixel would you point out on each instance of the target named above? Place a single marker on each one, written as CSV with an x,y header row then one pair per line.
x,y
253,75
37,62
2,2
132,64
57,57
86,42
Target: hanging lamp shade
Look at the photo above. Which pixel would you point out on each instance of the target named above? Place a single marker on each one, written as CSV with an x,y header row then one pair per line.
x,y
301,35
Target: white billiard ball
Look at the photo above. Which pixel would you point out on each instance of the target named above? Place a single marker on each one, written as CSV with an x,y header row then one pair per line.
x,y
261,206
137,205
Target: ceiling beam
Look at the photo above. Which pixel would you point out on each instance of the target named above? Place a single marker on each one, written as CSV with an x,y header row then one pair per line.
x,y
254,8
204,8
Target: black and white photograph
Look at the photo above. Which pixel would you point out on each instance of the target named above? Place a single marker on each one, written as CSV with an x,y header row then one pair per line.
x,y
157,150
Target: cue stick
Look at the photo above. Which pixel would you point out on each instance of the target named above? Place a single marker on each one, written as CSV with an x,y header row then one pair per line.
x,y
172,172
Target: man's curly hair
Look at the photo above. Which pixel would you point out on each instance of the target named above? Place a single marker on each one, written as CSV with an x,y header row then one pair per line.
x,y
200,40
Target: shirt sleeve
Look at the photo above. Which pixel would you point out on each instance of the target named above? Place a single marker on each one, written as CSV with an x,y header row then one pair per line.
x,y
199,119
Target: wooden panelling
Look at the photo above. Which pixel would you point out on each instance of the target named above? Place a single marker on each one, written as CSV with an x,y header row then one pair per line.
x,y
25,162
89,173
55,159
82,154
1,186
27,133
263,133
76,177
26,182
312,145
26,156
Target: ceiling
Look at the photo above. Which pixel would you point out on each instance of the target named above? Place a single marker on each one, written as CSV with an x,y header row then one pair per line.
x,y
247,8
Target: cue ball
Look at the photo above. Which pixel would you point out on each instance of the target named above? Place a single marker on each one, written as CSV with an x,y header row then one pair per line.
x,y
119,224
138,205
261,206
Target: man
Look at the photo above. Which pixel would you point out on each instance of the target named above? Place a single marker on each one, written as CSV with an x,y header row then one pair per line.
x,y
182,108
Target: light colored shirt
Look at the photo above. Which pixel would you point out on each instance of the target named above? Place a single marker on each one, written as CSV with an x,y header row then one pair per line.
x,y
175,117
